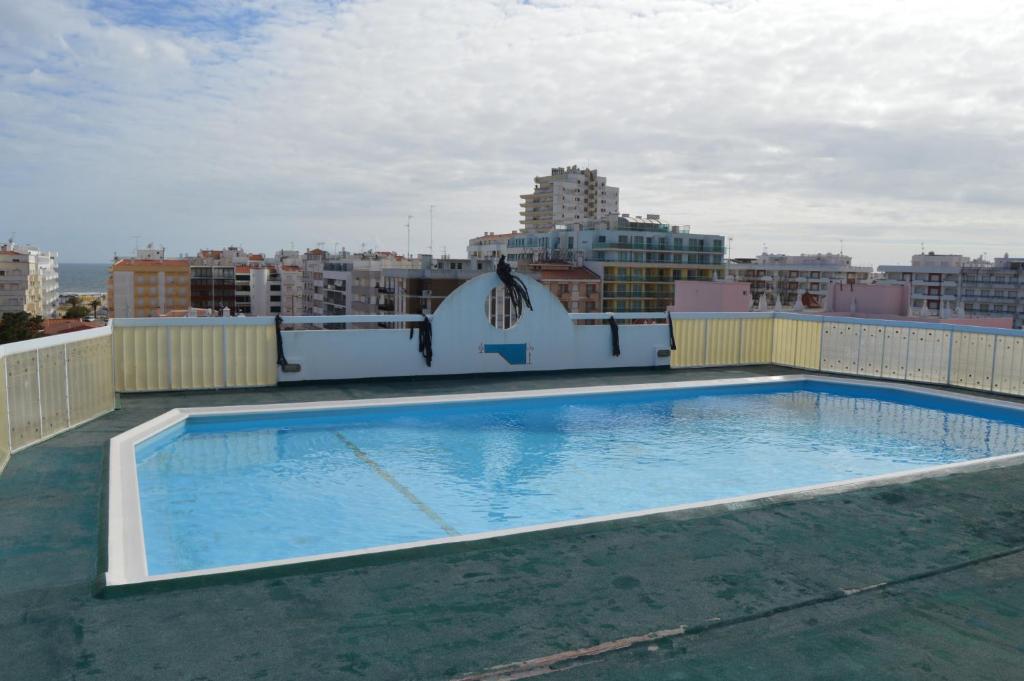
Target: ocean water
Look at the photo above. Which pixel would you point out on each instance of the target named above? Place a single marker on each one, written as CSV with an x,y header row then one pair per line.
x,y
83,277
230,490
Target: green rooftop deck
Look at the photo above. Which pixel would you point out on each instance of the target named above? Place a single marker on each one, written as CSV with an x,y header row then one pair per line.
x,y
924,580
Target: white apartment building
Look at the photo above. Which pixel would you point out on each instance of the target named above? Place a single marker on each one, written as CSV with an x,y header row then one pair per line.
x,y
806,276
28,280
934,280
489,246
568,196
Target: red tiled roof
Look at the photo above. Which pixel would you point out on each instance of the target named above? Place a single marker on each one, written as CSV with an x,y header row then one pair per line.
x,y
242,269
575,273
143,261
53,327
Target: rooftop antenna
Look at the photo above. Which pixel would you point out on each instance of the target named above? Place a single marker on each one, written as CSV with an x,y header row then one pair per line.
x,y
408,238
136,237
841,245
430,249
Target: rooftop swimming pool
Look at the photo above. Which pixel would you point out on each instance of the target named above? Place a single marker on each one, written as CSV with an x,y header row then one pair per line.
x,y
215,489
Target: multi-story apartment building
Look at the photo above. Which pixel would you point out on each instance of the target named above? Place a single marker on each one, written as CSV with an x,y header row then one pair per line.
x,y
578,288
313,281
213,287
290,278
148,285
490,246
934,281
789,276
28,280
337,285
422,285
995,290
568,196
637,257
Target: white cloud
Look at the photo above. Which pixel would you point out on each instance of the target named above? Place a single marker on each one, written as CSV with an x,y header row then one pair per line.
x,y
794,123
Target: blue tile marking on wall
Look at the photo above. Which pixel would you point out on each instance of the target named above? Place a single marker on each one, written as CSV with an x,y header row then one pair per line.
x,y
513,353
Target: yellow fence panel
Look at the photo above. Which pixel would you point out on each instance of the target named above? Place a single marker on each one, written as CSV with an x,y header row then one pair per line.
x,y
53,397
141,358
928,355
783,342
198,360
972,358
1008,375
797,343
756,342
690,342
870,354
251,356
723,344
894,356
807,353
23,399
90,379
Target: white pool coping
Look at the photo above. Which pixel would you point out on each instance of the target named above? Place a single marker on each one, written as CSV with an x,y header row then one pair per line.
x,y
126,547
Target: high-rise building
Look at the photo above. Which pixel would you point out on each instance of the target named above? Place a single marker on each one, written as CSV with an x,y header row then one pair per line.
x,y
808,276
28,280
148,285
567,197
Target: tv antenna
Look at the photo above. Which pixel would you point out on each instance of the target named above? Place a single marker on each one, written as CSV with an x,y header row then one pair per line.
x,y
430,248
408,238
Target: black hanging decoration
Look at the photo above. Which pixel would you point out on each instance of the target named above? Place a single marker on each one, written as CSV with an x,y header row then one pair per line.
x,y
615,336
514,287
281,361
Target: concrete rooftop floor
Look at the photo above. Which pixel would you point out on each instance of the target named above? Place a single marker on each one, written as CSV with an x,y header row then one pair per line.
x,y
917,581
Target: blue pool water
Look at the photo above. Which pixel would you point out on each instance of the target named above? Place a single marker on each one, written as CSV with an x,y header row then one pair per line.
x,y
226,490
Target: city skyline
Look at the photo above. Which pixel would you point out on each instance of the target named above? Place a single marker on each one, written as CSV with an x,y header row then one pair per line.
x,y
877,126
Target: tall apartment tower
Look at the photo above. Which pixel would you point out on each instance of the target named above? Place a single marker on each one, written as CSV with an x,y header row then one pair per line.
x,y
28,280
568,196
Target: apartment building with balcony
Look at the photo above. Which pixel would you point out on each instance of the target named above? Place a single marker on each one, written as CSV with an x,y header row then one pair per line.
x,y
212,286
568,196
423,285
995,290
934,282
489,246
28,280
149,285
577,288
337,285
637,257
807,276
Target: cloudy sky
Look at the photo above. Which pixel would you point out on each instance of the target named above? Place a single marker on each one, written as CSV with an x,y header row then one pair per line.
x,y
791,123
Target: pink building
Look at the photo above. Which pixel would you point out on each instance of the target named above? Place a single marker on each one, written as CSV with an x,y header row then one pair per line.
x,y
892,301
711,296
869,299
